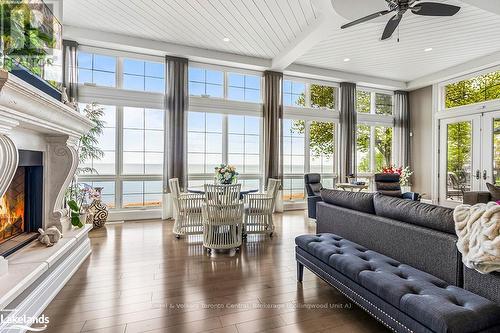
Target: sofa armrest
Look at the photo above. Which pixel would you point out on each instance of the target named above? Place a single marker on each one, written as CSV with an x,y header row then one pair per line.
x,y
311,205
411,196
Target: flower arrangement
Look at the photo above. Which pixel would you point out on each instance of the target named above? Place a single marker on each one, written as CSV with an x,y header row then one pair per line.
x,y
403,172
225,174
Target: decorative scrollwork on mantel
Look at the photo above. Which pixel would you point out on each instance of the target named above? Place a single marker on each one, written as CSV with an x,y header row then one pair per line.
x,y
62,159
9,159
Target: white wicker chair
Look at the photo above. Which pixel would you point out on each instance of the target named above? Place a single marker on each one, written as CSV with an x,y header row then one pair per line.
x,y
187,208
259,208
222,217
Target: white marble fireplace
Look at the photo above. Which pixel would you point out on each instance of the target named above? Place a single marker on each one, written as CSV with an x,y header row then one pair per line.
x,y
31,120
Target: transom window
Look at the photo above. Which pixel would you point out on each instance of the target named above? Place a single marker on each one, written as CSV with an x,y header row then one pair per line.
x,y
244,87
96,69
481,88
143,75
294,93
323,96
374,102
206,82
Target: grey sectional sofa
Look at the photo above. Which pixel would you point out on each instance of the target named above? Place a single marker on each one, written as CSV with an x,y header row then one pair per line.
x,y
398,260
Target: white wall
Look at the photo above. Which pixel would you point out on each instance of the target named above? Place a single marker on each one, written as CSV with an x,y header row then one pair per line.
x,y
421,141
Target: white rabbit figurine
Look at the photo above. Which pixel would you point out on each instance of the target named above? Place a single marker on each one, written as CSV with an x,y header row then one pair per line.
x,y
50,236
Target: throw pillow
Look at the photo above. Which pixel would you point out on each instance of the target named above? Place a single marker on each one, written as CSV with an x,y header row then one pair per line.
x,y
494,191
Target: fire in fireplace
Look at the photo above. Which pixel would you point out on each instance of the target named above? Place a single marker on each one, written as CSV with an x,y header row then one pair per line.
x,y
12,207
21,205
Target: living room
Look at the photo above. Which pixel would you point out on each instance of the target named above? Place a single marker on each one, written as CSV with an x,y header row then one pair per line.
x,y
250,166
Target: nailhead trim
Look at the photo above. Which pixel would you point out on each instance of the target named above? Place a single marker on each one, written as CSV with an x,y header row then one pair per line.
x,y
298,256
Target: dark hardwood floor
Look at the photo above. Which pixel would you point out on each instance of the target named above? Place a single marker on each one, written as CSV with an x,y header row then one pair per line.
x,y
139,278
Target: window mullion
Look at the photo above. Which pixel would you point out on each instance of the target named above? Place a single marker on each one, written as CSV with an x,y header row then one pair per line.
x,y
307,151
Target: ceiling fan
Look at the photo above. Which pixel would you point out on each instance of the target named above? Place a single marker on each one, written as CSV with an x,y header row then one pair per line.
x,y
400,7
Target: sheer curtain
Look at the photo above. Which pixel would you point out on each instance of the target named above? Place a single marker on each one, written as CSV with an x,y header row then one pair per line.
x,y
176,106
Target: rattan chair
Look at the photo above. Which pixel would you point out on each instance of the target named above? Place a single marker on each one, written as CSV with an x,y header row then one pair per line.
x,y
187,210
259,208
222,217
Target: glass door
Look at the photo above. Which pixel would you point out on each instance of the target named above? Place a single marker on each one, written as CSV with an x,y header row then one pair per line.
x,y
460,156
490,171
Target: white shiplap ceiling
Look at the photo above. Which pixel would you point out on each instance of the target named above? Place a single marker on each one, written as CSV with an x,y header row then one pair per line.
x,y
268,28
470,34
258,28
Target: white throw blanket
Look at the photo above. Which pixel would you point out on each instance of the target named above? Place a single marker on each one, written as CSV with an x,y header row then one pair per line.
x,y
478,230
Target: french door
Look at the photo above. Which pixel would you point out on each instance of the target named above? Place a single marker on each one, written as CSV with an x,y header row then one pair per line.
x,y
469,155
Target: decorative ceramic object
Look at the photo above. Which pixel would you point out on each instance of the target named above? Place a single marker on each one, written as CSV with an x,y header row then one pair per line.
x,y
50,236
97,211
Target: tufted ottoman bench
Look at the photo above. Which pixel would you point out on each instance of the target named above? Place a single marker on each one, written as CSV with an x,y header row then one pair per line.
x,y
401,297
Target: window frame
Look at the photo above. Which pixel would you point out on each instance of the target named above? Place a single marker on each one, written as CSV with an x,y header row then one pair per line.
x,y
469,109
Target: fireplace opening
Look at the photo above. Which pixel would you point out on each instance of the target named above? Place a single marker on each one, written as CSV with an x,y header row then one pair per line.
x,y
21,205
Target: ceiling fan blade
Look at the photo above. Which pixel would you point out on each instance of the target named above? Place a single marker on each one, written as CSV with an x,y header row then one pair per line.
x,y
366,18
434,9
392,25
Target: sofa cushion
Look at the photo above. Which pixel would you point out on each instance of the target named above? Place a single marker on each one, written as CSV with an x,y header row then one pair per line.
x,y
427,299
362,202
414,212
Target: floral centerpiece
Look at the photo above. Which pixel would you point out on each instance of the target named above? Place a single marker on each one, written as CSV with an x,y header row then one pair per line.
x,y
225,174
403,172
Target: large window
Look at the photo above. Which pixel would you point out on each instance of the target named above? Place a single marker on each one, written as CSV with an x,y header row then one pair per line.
x,y
308,146
131,169
204,142
218,138
142,141
96,69
478,89
143,75
244,143
106,142
373,147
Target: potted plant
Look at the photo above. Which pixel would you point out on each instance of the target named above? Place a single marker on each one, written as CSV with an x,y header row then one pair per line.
x,y
26,39
88,149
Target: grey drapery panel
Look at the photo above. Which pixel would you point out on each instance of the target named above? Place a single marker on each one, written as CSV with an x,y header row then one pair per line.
x,y
347,130
273,124
70,70
176,106
402,123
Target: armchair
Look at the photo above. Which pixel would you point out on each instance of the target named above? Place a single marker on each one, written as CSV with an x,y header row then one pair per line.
x,y
313,188
259,209
187,210
388,184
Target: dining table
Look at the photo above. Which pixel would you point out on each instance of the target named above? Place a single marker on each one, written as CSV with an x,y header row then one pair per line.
x,y
242,192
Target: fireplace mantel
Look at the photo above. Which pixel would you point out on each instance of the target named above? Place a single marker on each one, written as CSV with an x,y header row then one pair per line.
x,y
32,120
25,112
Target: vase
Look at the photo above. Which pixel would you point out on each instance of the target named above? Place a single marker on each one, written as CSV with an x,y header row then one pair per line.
x,y
97,213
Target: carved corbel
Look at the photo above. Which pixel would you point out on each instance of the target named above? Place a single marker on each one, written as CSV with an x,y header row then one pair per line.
x,y
61,163
9,157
